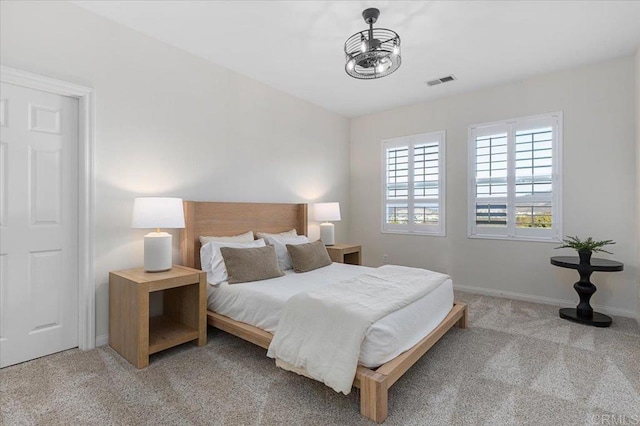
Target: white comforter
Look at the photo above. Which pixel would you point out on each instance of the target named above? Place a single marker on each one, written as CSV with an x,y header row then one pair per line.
x,y
328,350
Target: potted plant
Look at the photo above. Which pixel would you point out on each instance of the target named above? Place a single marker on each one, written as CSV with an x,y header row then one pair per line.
x,y
586,247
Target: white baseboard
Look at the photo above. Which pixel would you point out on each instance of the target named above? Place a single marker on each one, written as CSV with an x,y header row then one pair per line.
x,y
541,299
104,340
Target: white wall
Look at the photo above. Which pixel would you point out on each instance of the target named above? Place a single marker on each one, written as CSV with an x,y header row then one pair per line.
x,y
599,180
172,124
637,217
169,123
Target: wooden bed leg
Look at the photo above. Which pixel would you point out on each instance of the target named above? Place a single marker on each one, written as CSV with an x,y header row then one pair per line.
x,y
373,396
464,320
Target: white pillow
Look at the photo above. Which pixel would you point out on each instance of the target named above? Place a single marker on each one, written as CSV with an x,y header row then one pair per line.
x,y
211,260
292,233
280,244
247,237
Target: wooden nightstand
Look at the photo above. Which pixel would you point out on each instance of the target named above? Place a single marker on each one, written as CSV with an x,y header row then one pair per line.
x,y
345,253
133,334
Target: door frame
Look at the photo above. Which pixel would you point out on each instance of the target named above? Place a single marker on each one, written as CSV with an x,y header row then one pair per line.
x,y
86,201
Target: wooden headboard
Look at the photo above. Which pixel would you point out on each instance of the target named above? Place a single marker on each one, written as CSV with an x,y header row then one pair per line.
x,y
226,219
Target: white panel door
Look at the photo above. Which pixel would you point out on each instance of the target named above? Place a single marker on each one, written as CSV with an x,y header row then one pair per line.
x,y
38,223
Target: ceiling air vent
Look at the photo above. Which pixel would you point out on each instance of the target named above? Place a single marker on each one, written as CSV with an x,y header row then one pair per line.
x,y
441,80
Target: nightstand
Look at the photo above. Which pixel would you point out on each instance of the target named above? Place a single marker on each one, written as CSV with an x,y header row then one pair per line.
x,y
345,253
133,334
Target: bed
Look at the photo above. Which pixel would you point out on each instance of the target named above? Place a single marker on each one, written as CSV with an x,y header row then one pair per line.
x,y
378,369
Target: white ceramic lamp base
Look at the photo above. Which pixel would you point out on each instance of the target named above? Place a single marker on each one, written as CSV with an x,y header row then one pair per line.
x,y
157,251
327,234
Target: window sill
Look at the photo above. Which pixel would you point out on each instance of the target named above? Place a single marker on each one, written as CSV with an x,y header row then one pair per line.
x,y
422,234
508,238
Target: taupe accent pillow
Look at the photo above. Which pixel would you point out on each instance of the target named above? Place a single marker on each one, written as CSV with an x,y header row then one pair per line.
x,y
250,264
310,256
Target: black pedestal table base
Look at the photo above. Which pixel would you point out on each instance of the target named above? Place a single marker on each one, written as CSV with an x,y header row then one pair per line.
x,y
583,313
597,320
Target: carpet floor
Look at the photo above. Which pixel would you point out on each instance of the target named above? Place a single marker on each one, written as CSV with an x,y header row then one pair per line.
x,y
518,363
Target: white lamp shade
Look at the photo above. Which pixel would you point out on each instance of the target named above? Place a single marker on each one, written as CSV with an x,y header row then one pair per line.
x,y
157,212
326,212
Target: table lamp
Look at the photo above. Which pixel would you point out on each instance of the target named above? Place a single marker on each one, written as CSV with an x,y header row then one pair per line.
x,y
326,212
157,212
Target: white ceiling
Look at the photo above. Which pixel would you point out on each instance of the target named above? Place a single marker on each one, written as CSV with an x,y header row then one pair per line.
x,y
297,46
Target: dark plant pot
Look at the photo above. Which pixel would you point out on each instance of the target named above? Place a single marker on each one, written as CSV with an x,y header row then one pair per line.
x,y
585,256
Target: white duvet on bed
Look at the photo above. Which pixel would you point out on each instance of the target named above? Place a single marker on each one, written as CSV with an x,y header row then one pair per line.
x,y
260,303
329,350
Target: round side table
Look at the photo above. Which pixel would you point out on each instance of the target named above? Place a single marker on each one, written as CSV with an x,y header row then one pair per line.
x,y
583,313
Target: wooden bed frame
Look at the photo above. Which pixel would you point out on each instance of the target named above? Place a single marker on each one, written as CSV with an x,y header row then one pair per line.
x,y
209,218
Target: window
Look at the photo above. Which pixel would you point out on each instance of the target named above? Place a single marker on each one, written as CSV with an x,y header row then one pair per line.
x,y
514,179
413,184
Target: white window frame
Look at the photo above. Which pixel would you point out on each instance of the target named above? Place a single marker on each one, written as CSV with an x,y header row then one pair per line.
x,y
414,228
511,232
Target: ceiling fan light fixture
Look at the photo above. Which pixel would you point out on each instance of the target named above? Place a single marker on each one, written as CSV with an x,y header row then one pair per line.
x,y
374,52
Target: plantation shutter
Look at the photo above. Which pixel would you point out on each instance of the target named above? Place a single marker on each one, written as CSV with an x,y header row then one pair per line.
x,y
514,190
414,184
